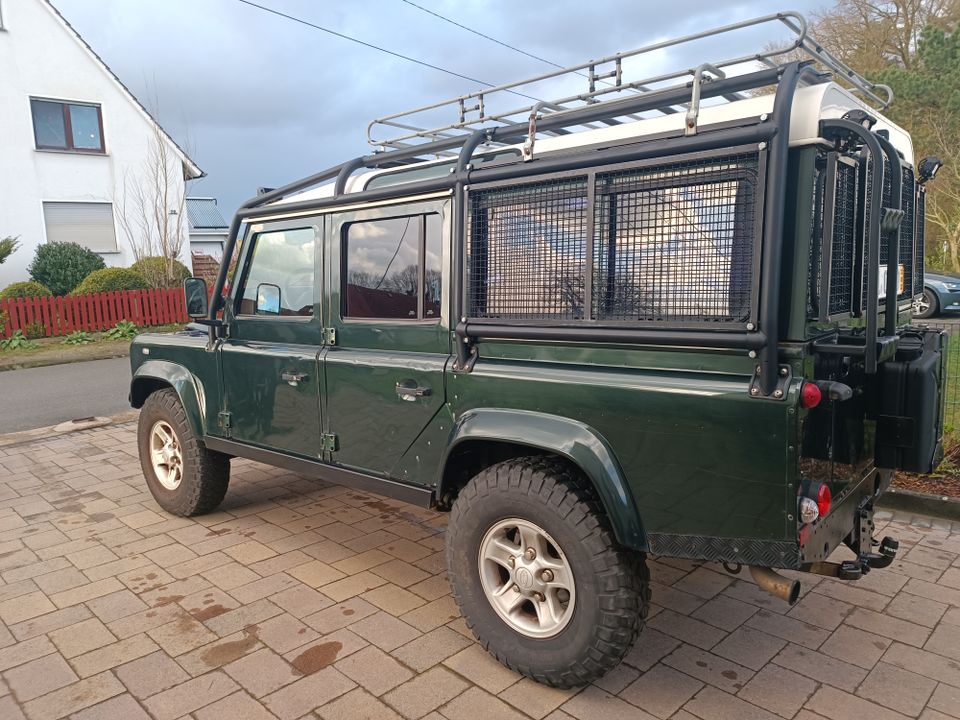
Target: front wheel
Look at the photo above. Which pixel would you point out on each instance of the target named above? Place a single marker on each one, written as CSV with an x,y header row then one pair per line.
x,y
539,576
183,476
927,305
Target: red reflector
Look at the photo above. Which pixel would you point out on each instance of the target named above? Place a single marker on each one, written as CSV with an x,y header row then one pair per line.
x,y
810,395
824,498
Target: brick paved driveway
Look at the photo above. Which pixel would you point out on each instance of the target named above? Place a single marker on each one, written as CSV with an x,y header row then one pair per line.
x,y
301,599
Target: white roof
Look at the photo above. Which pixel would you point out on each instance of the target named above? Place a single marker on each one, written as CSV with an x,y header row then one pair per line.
x,y
811,104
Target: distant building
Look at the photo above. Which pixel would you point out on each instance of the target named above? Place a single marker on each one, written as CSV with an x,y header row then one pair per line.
x,y
74,141
208,233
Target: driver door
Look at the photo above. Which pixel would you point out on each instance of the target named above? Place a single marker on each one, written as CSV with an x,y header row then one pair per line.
x,y
271,385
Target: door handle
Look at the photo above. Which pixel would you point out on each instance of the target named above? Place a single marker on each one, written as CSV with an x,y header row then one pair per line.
x,y
408,393
292,378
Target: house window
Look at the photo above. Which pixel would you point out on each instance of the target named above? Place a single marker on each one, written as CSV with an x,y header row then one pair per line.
x,y
67,126
85,223
393,268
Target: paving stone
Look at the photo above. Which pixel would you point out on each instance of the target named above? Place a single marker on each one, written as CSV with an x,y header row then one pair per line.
x,y
477,704
262,672
431,588
820,611
537,700
315,574
400,572
82,637
425,692
284,633
357,704
821,667
945,640
832,703
352,585
308,693
190,696
301,601
890,627
112,655
649,648
856,646
661,691
687,629
749,647
120,707
946,699
709,668
384,631
235,706
151,674
181,635
897,689
44,624
432,615
703,582
788,628
25,607
924,663
712,704
244,616
916,609
430,648
779,690
340,615
481,668
724,612
86,592
376,671
594,703
73,698
38,677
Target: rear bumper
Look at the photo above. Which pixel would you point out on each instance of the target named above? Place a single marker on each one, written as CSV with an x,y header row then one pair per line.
x,y
850,520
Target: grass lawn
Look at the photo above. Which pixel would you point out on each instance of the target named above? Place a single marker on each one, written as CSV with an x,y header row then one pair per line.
x,y
53,351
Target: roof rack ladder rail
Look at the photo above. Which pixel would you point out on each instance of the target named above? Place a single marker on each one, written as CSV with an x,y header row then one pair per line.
x,y
872,232
775,201
690,127
893,237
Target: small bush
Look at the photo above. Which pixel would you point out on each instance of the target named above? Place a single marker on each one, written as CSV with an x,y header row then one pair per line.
x,y
123,330
17,341
8,246
24,289
61,266
110,280
78,337
159,273
35,330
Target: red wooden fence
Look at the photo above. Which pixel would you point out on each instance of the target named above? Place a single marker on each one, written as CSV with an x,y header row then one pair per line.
x,y
98,311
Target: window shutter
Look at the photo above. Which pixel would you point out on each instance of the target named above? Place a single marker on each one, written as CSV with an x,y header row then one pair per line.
x,y
85,223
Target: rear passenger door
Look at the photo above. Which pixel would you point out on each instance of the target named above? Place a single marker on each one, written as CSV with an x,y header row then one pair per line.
x,y
388,305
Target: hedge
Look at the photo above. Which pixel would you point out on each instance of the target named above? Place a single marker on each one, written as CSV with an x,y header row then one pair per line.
x,y
110,280
25,289
61,266
154,270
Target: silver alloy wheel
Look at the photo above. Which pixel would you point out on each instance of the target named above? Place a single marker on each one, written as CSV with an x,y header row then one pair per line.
x,y
527,578
165,455
921,304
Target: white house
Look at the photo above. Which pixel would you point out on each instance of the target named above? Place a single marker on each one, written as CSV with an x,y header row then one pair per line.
x,y
208,228
78,152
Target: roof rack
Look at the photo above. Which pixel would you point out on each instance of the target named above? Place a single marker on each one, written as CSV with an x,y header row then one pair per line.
x,y
606,79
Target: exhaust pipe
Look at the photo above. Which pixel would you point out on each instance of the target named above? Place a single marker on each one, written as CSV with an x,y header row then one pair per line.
x,y
776,584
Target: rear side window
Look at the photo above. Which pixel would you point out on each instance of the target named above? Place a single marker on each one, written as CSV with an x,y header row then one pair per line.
x,y
392,268
280,274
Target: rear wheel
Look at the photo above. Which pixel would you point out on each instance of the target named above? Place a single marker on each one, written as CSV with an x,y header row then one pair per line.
x,y
183,476
539,576
927,305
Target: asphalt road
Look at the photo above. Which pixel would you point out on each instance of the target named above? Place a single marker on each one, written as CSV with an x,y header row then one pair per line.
x,y
37,397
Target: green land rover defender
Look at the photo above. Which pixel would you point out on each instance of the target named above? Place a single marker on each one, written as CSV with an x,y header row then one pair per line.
x,y
666,315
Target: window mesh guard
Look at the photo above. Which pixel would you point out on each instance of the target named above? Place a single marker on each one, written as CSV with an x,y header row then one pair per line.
x,y
670,243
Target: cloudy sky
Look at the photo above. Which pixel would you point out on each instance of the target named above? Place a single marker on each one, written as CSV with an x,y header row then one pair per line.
x,y
261,100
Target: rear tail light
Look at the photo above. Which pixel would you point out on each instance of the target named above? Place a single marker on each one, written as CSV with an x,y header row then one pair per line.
x,y
824,498
810,395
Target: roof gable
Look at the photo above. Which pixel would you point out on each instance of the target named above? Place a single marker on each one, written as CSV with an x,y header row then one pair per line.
x,y
191,170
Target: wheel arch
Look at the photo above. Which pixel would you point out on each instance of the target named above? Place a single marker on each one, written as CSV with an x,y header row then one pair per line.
x,y
155,375
481,438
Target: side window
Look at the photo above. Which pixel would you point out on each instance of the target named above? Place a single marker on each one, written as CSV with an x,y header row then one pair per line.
x,y
280,277
392,268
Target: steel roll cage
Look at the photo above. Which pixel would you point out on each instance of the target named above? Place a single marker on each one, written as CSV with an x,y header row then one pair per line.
x,y
774,130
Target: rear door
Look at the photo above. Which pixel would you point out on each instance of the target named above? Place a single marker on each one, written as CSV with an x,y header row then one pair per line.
x,y
387,307
269,361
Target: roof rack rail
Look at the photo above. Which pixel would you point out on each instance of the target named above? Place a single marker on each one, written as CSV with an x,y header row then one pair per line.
x,y
607,77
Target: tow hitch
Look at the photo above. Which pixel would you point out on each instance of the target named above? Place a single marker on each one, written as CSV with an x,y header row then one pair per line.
x,y
865,562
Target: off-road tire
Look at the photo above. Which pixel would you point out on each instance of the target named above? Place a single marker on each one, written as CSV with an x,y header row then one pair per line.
x,y
206,474
612,583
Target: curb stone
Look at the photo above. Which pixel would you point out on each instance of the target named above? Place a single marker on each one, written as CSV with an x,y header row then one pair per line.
x,y
940,506
42,433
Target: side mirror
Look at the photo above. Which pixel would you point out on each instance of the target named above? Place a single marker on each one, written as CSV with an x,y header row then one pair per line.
x,y
268,299
195,290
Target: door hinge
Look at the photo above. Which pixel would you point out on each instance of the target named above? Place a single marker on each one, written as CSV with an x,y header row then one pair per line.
x,y
329,336
225,421
330,442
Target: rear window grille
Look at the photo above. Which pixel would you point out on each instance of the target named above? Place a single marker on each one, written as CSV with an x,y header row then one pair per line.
x,y
918,247
527,250
670,243
844,240
905,256
675,242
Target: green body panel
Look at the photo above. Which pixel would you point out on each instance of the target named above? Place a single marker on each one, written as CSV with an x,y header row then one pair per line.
x,y
166,361
698,455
